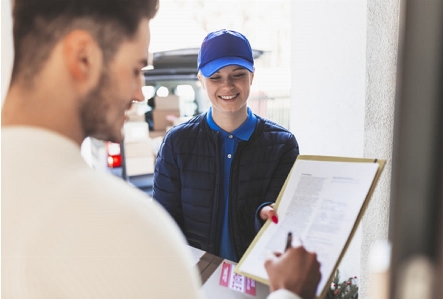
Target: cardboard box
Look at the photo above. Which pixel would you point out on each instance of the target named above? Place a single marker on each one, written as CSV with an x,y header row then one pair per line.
x,y
155,134
137,111
140,165
137,130
140,148
137,118
167,103
161,118
219,280
224,283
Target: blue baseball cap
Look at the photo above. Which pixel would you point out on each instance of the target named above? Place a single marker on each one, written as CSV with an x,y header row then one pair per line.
x,y
222,48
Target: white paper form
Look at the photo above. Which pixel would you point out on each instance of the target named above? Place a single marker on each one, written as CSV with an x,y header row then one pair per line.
x,y
320,205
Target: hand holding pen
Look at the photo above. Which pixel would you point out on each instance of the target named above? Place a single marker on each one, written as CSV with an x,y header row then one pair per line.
x,y
290,239
296,270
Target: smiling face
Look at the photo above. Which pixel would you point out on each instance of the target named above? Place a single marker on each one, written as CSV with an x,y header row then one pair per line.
x,y
103,112
228,90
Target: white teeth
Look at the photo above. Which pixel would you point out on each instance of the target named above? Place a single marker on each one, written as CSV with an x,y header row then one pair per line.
x,y
227,97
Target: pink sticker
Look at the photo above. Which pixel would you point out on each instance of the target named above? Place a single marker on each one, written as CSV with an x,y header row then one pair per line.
x,y
225,274
250,286
236,281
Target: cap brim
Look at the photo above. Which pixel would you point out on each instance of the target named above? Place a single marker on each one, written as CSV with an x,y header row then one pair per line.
x,y
211,67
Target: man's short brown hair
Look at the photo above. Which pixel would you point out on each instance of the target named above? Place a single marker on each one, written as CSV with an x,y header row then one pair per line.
x,y
40,24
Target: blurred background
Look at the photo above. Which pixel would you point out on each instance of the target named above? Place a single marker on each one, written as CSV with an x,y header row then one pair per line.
x,y
184,24
339,69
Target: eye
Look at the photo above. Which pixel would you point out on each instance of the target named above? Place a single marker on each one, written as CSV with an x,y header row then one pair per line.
x,y
214,78
137,72
239,75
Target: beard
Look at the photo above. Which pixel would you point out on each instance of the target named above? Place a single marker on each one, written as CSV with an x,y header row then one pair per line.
x,y
94,113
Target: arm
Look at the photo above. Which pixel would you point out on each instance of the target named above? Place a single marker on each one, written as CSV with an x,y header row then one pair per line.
x,y
264,212
167,183
283,294
124,246
296,270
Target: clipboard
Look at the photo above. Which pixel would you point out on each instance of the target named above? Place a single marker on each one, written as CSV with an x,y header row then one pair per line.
x,y
337,174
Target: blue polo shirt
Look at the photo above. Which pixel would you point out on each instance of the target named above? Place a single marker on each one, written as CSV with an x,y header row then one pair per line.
x,y
229,142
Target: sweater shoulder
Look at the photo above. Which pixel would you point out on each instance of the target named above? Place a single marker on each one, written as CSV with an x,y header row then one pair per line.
x,y
191,126
270,128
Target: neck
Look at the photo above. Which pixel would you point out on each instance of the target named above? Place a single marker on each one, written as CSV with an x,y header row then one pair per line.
x,y
45,108
229,122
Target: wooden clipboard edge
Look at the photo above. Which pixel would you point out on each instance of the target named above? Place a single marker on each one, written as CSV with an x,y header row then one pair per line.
x,y
381,164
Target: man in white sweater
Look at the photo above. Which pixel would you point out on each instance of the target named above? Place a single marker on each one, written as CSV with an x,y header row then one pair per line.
x,y
67,230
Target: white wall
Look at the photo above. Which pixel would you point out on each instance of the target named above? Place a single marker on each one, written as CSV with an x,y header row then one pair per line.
x,y
328,86
328,76
166,36
381,72
344,69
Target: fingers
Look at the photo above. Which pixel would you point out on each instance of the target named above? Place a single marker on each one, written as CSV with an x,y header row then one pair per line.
x,y
272,255
297,270
268,212
271,258
296,241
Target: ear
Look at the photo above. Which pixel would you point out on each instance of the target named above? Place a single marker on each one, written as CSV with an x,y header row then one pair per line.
x,y
252,77
83,58
199,77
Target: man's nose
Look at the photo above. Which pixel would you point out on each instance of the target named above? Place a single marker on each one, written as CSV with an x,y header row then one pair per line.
x,y
138,95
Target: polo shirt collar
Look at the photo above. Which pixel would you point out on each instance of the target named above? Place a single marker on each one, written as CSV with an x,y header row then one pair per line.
x,y
243,132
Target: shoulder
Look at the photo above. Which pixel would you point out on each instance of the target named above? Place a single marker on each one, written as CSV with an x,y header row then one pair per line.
x,y
110,230
269,125
274,131
189,127
191,131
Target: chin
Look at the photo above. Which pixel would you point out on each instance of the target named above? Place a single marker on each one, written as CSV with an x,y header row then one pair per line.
x,y
116,139
117,134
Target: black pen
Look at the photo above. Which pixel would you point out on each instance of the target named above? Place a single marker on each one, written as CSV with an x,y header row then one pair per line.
x,y
288,241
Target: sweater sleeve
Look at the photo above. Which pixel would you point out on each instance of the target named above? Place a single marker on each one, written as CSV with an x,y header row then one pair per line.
x,y
283,294
116,244
258,222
